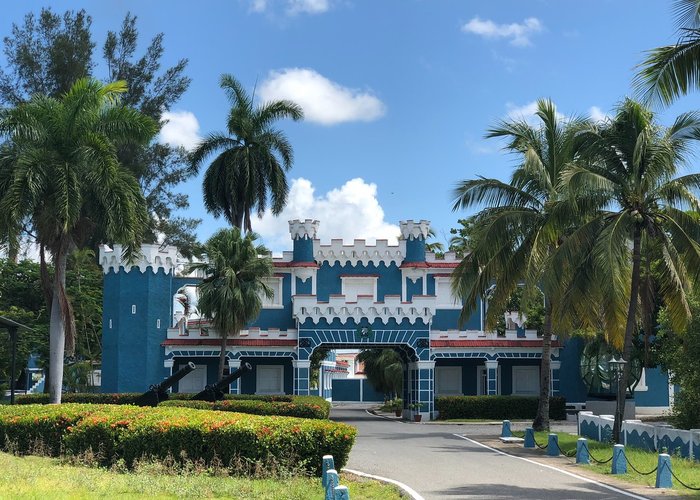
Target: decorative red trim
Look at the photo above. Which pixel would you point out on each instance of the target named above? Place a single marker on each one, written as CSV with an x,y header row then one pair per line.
x,y
295,264
231,342
489,343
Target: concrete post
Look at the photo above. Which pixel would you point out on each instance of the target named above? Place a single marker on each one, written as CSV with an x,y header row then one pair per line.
x,y
529,438
331,483
663,472
341,493
328,464
553,445
505,429
619,460
582,451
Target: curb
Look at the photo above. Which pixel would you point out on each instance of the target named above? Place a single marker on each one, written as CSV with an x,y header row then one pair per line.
x,y
403,487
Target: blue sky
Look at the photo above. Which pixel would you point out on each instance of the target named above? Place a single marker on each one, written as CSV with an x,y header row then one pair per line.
x,y
397,93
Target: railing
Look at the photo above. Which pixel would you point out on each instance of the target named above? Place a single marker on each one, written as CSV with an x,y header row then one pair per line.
x,y
308,307
198,329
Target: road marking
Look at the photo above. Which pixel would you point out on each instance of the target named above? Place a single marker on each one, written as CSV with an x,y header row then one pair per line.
x,y
413,493
588,480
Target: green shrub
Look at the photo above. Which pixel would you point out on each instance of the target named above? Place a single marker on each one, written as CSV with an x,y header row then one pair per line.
x,y
130,433
284,409
497,407
126,398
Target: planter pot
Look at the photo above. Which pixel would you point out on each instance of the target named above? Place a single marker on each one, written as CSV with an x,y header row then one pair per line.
x,y
398,413
417,417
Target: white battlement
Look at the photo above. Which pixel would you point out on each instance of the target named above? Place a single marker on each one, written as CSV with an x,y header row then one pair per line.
x,y
300,229
449,257
155,256
308,307
411,230
360,252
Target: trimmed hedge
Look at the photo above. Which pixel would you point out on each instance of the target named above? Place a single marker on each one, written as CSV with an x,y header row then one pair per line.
x,y
296,405
130,433
283,409
497,407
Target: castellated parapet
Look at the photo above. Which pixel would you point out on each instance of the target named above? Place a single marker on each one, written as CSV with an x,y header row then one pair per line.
x,y
153,256
303,229
411,230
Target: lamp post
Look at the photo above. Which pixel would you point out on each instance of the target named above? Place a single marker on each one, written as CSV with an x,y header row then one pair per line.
x,y
618,368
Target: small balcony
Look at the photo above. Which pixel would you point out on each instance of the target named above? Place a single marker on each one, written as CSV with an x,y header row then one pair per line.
x,y
307,307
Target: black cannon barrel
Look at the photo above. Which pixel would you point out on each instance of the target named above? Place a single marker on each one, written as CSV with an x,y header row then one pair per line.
x,y
159,392
215,392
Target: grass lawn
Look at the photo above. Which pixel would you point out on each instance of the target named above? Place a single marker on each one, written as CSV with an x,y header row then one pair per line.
x,y
40,477
688,471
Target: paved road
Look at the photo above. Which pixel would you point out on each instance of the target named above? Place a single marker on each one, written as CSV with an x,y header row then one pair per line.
x,y
437,464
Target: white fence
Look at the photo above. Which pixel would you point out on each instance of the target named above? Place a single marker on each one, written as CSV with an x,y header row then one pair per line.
x,y
639,435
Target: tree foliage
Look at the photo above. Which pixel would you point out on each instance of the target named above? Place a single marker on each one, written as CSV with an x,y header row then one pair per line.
x,y
384,370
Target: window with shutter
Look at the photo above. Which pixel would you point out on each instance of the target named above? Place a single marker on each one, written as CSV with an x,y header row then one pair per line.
x,y
269,379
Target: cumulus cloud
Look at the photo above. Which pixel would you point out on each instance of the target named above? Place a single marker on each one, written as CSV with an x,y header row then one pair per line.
x,y
518,33
294,7
258,5
597,114
324,101
349,212
526,112
180,128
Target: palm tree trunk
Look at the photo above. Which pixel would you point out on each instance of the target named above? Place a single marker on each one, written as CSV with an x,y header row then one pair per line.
x,y
541,422
57,329
630,328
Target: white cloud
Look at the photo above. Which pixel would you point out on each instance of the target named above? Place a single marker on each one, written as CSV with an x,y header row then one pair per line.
x,y
324,101
597,114
307,6
180,128
526,112
518,33
258,5
350,211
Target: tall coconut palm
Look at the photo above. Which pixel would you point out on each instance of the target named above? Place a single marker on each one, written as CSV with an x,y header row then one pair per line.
x,y
252,158
59,174
630,177
671,71
384,370
519,227
232,291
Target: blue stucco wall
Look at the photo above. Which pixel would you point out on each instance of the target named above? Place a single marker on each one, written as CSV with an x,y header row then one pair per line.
x,y
657,393
303,250
413,288
303,287
132,354
329,282
278,317
448,319
248,378
570,384
415,250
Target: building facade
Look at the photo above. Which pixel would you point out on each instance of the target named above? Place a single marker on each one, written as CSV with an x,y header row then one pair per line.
x,y
335,296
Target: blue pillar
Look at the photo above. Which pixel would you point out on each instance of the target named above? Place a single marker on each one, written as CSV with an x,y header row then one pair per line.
x,y
505,429
663,472
553,445
332,481
342,493
327,464
491,377
582,451
529,438
302,369
619,461
303,234
415,234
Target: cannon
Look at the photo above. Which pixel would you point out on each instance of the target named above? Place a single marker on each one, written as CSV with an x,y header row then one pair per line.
x,y
158,392
215,392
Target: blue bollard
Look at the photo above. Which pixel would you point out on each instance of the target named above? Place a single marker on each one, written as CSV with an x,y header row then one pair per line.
x,y
663,472
619,460
582,451
332,481
328,464
505,430
553,445
342,493
529,438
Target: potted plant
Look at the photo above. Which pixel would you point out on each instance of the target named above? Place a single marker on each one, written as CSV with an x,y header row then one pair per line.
x,y
397,405
416,407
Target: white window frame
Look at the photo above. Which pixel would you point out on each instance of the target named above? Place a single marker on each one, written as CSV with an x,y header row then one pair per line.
x,y
198,371
518,372
258,374
274,282
348,280
456,373
452,303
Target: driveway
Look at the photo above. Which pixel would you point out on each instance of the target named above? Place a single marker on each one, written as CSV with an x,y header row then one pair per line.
x,y
437,463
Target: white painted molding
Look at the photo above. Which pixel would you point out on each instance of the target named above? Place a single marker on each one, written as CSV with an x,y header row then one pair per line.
x,y
359,252
302,229
308,307
411,230
155,256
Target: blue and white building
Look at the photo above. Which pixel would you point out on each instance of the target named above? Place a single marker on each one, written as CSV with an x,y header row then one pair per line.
x,y
332,295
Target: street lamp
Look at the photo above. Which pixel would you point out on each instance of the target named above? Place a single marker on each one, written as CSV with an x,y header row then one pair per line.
x,y
618,368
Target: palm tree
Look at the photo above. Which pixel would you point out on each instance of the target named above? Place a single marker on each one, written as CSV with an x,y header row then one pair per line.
x,y
671,71
434,246
232,291
59,174
512,239
252,158
629,177
384,370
